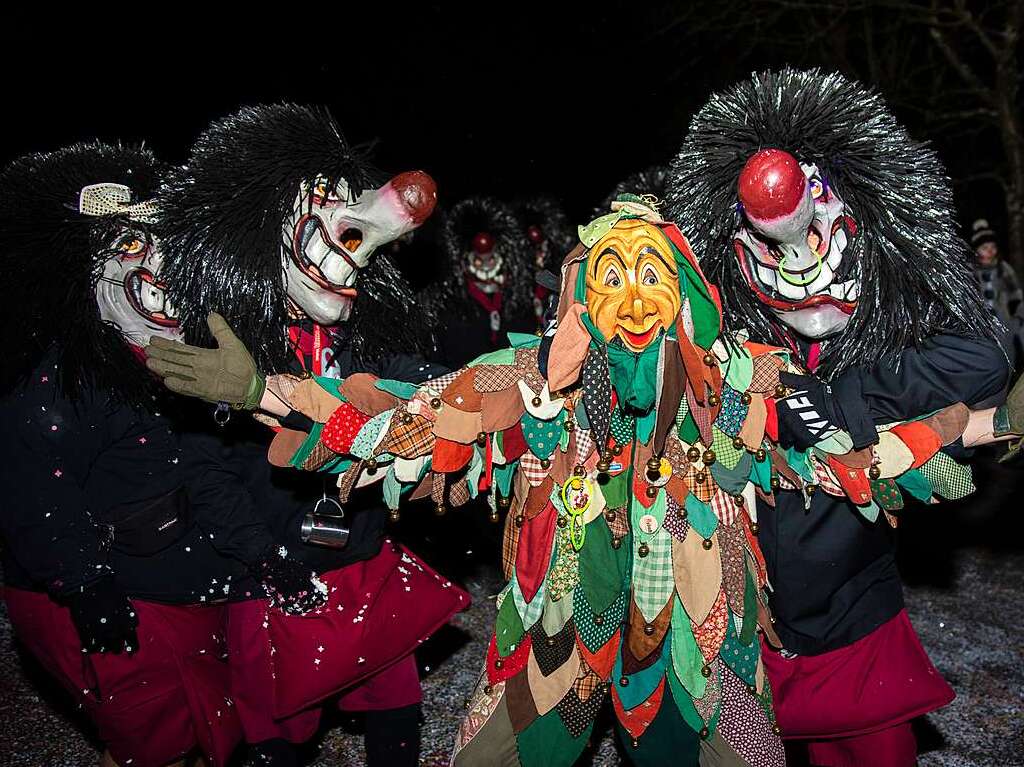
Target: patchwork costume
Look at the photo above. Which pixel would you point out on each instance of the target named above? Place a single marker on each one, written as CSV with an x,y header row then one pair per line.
x,y
629,448
830,232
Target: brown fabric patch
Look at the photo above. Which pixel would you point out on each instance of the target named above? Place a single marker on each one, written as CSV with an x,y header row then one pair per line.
x,y
458,493
492,378
734,569
409,440
347,481
461,394
949,423
457,425
548,690
359,389
537,498
641,644
673,389
501,410
437,482
705,490
284,445
857,459
631,664
676,487
570,273
568,349
318,456
562,463
526,366
310,399
698,575
620,525
766,374
587,683
422,490
510,542
675,454
521,708
752,430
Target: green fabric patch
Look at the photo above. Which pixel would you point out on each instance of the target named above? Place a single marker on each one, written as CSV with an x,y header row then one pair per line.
x,y
688,430
687,660
732,481
541,435
504,356
641,685
949,479
331,385
604,570
665,742
523,340
592,633
700,516
623,426
311,441
684,703
886,493
475,471
749,628
616,490
740,657
634,375
391,488
399,389
546,742
503,476
869,511
761,474
915,483
645,425
508,628
725,454
739,370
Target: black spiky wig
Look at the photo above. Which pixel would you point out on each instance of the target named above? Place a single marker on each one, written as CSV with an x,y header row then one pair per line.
x,y
547,214
650,180
913,267
462,223
52,257
222,218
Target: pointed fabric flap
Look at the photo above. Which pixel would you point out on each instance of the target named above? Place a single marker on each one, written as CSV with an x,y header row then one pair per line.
x,y
700,516
508,628
409,436
500,410
855,482
568,349
578,713
923,441
487,740
894,457
342,427
710,634
639,686
701,415
949,423
541,436
547,743
549,689
653,583
687,660
746,727
450,456
534,553
645,637
513,445
732,481
499,357
551,651
399,389
502,667
492,378
557,614
597,394
311,399
752,431
602,659
698,575
361,391
914,482
595,629
285,444
949,479
603,568
456,425
734,571
857,459
672,392
886,494
522,711
684,707
461,393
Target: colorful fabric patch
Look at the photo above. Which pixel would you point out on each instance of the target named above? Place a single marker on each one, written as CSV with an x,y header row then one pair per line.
x,y
342,427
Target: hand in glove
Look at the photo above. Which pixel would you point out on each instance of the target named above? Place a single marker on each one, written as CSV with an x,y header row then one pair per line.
x,y
1009,420
225,374
104,618
808,414
292,586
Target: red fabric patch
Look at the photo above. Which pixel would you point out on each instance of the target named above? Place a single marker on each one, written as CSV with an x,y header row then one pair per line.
x,y
450,456
922,440
511,665
711,633
637,720
771,424
855,482
640,489
602,661
534,552
342,427
513,443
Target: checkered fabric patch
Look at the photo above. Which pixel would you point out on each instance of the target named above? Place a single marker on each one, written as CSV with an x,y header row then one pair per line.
x,y
766,374
526,366
584,445
948,478
725,453
703,491
318,456
530,465
347,481
510,545
653,579
409,440
437,385
725,507
492,378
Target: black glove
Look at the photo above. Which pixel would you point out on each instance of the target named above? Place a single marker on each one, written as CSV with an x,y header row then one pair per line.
x,y
809,414
104,618
292,586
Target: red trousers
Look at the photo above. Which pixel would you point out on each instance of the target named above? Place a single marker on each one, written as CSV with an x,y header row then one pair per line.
x,y
853,705
150,707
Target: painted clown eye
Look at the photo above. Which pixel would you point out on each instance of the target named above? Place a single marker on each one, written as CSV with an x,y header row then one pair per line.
x,y
324,192
131,245
649,276
817,187
612,279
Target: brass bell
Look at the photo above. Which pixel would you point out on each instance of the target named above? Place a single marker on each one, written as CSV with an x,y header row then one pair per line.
x,y
536,401
704,733
371,466
706,543
682,513
580,470
495,516
780,391
745,398
705,671
599,620
714,400
616,542
624,682
505,502
874,472
636,741
701,477
488,689
609,515
755,528
562,521
603,466
653,476
652,492
708,457
752,689
643,550
760,454
440,510
520,520
739,500
436,403
649,629
709,359
775,482
738,443
393,515
617,450
654,463
812,489
545,463
569,425
499,663
407,418
693,454
776,729
481,438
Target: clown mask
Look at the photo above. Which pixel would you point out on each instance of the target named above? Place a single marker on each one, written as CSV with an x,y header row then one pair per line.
x,y
792,244
129,292
332,234
632,284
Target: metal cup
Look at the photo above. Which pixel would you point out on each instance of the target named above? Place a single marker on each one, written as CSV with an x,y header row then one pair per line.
x,y
325,529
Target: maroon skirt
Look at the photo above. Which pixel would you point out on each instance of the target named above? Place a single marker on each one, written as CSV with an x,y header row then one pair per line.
x,y
358,645
879,681
150,707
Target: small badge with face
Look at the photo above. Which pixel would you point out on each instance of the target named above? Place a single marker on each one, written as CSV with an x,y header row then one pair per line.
x,y
792,244
633,284
332,234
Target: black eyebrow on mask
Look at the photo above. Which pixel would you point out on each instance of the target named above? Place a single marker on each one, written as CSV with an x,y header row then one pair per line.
x,y
647,250
608,252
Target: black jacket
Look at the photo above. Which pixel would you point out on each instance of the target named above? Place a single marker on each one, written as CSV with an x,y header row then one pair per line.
x,y
833,573
73,472
466,333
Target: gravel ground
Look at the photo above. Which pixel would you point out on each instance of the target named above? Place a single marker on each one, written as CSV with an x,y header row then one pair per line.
x,y
965,579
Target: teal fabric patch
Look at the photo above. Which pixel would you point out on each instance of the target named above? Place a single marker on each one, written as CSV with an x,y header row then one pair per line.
x,y
392,489
915,483
399,389
523,340
643,683
542,436
331,385
504,356
700,516
732,481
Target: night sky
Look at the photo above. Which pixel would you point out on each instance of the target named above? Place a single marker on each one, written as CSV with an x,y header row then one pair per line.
x,y
511,104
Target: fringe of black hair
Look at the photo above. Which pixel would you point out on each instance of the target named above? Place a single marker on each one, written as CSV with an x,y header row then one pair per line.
x,y
51,257
652,180
222,232
914,268
548,214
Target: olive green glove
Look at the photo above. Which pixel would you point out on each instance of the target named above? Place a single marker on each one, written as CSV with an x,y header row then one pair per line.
x,y
1009,419
225,374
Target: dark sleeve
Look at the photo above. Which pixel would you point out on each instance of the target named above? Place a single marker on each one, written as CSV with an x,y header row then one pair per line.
x,y
221,501
410,368
49,447
945,370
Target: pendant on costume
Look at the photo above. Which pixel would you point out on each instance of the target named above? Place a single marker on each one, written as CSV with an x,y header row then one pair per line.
x,y
577,492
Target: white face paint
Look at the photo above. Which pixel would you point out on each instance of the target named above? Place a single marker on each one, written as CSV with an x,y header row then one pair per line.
x,y
129,293
329,237
795,263
485,269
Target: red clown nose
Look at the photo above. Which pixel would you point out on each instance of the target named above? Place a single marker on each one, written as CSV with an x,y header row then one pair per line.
x,y
535,234
418,193
771,185
483,243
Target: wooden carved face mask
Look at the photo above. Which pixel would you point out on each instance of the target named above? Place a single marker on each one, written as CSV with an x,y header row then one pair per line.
x,y
633,284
